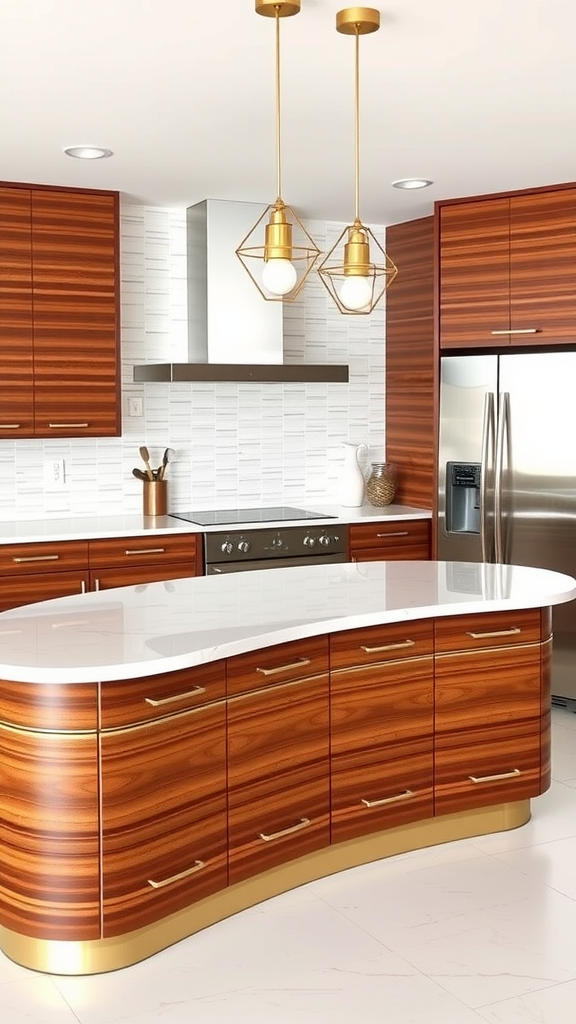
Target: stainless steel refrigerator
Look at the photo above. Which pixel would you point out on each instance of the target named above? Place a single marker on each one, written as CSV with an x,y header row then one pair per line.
x,y
507,475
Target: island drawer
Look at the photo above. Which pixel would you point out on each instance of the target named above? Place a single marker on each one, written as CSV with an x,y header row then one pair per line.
x,y
131,701
45,556
124,551
494,629
355,648
283,663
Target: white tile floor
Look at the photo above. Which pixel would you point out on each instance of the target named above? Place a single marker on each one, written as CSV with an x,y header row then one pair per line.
x,y
480,930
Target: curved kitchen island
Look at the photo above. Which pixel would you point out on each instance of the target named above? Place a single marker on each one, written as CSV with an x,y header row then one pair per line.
x,y
174,752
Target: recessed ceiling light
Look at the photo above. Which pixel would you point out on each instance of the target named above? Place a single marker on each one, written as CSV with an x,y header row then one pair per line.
x,y
412,183
87,152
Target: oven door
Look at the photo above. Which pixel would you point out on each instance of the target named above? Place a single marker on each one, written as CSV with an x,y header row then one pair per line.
x,y
219,568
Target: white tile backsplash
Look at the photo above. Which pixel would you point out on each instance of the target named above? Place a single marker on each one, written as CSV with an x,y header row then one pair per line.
x,y
235,443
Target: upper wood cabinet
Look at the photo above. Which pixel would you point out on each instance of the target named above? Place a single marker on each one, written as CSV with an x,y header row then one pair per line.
x,y
59,313
507,269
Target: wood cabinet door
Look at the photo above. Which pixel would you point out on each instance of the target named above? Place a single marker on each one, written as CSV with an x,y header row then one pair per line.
x,y
49,835
163,817
381,745
488,727
543,267
75,295
31,587
278,776
16,362
390,541
474,273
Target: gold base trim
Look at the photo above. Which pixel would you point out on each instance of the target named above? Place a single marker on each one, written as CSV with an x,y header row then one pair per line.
x,y
98,956
285,8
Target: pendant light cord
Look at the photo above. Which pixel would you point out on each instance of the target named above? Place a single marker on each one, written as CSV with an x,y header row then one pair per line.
x,y
357,122
278,165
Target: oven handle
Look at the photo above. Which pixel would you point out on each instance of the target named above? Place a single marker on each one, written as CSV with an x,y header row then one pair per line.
x,y
222,568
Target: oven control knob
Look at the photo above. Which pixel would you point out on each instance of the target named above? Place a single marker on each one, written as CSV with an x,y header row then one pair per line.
x,y
244,546
227,547
325,540
277,543
309,542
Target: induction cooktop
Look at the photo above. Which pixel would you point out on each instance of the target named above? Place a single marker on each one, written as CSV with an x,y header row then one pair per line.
x,y
220,517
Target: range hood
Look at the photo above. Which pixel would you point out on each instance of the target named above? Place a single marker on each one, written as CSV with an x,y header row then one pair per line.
x,y
233,333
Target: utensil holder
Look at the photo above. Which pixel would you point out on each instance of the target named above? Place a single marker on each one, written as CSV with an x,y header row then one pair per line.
x,y
155,496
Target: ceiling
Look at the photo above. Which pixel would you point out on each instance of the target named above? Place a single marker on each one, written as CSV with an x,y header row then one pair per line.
x,y
478,95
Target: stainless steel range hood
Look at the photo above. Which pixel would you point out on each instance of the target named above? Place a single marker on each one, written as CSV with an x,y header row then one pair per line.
x,y
233,333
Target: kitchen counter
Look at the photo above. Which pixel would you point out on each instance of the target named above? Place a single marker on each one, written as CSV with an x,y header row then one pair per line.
x,y
93,527
162,627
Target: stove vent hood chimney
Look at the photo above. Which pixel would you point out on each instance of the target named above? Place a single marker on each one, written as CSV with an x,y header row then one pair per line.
x,y
233,333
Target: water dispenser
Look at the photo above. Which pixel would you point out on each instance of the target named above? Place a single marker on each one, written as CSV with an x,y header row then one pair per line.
x,y
463,497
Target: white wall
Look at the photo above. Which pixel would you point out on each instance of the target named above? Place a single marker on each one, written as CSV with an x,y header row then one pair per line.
x,y
236,443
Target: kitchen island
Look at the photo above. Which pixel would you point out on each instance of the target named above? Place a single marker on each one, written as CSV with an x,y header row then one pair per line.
x,y
174,752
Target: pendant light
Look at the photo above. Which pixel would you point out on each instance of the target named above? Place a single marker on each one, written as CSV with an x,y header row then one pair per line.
x,y
357,270
278,252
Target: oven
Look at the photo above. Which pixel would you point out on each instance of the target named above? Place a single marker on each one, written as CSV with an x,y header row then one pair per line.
x,y
241,548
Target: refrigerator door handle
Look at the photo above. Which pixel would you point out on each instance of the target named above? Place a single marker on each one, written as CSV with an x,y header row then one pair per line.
x,y
487,457
501,439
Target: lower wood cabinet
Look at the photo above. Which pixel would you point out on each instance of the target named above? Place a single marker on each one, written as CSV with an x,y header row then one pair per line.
x,y
126,804
380,541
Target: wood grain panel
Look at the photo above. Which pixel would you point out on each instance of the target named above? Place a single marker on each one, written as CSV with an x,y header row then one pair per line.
x,y
359,649
381,746
487,722
275,785
410,361
511,628
28,588
75,295
281,663
47,556
163,811
411,247
130,701
546,717
543,266
146,550
49,832
390,541
474,272
16,358
49,706
139,575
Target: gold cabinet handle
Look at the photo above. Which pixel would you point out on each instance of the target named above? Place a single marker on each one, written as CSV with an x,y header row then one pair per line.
x,y
389,799
284,668
396,533
519,330
68,424
495,778
9,426
145,551
496,632
157,702
197,866
388,647
267,838
36,558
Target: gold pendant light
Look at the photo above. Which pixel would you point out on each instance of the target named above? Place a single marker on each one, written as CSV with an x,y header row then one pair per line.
x,y
357,270
278,252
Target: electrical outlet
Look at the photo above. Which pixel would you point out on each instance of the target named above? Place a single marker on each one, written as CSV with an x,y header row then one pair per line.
x,y
54,476
135,405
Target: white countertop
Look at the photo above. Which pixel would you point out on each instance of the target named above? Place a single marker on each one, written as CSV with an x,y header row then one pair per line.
x,y
100,527
160,627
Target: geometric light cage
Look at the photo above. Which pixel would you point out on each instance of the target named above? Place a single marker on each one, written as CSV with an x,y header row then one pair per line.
x,y
336,270
278,232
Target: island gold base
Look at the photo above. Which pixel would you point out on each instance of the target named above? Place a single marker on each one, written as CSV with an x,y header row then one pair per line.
x,y
95,957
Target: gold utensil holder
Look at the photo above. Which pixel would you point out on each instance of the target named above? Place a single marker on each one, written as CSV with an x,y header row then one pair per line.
x,y
155,497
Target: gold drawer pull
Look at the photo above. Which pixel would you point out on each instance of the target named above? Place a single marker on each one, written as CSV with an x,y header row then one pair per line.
x,y
284,668
68,424
397,533
519,330
389,799
9,426
145,551
37,558
496,632
285,831
157,702
387,647
197,866
495,778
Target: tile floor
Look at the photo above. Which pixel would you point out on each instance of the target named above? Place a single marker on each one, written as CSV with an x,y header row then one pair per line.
x,y
481,930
